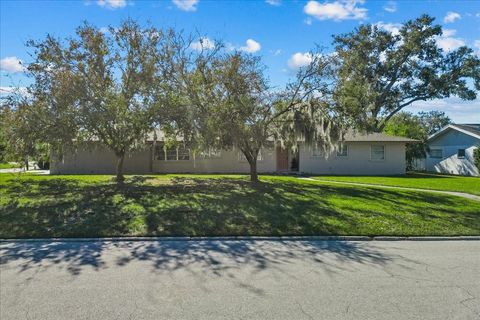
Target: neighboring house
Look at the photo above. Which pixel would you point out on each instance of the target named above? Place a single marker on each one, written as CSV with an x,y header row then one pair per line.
x,y
451,149
372,154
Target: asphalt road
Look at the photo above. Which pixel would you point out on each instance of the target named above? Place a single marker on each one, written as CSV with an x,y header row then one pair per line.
x,y
240,280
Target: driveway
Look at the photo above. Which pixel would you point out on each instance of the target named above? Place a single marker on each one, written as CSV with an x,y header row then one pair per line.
x,y
240,280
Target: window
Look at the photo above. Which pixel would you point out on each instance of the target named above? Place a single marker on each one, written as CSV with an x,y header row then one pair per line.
x,y
159,152
342,150
172,153
377,153
436,153
241,156
317,152
183,153
461,154
210,153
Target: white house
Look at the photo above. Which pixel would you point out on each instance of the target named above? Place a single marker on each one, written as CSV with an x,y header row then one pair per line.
x,y
451,150
372,154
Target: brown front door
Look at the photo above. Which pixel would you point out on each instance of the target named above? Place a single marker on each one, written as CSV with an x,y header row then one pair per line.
x,y
282,159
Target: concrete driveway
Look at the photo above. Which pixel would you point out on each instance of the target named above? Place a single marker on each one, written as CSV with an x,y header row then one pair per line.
x,y
240,280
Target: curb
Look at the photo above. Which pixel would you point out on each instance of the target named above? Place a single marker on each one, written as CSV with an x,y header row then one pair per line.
x,y
252,238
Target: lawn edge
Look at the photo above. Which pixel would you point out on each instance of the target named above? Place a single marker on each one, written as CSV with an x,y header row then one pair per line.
x,y
238,238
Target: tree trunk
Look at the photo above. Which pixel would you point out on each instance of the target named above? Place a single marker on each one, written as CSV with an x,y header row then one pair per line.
x,y
26,163
253,170
120,158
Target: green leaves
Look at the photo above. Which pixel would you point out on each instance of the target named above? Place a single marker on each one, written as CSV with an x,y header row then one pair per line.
x,y
380,72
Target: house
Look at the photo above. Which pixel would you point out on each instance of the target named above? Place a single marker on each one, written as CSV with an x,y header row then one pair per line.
x,y
451,149
371,154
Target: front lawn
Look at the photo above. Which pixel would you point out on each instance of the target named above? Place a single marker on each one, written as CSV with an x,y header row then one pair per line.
x,y
416,180
9,165
175,205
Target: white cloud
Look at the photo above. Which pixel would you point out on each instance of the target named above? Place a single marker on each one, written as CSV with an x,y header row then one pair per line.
x,y
186,5
251,46
203,44
448,32
112,4
299,60
451,17
449,43
276,52
274,2
391,6
394,28
308,21
337,10
476,44
460,111
4,91
11,64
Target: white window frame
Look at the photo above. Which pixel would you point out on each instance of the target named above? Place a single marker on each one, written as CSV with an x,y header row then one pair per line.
x,y
436,149
165,154
211,153
316,152
384,152
241,156
342,147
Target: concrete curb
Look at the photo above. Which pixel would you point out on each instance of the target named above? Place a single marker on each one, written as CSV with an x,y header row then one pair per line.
x,y
251,238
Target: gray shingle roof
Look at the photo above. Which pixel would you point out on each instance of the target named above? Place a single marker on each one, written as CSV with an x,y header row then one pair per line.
x,y
375,137
472,128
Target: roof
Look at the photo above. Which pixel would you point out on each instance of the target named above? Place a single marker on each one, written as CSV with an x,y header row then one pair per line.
x,y
471,129
375,137
349,137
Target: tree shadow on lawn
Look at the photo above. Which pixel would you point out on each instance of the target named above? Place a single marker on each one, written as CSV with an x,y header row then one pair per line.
x,y
208,207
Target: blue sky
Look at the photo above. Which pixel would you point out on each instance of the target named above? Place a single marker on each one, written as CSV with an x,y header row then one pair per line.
x,y
282,32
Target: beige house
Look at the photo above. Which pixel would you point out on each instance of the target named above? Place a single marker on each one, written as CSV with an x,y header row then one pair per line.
x,y
372,154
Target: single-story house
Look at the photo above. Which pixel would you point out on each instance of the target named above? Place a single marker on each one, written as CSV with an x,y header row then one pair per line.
x,y
450,150
370,154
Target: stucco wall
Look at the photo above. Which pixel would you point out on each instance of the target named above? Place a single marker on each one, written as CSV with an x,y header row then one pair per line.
x,y
357,162
99,160
450,142
229,161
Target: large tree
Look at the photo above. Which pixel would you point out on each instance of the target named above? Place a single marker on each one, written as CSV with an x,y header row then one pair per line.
x,y
433,120
98,86
381,72
233,104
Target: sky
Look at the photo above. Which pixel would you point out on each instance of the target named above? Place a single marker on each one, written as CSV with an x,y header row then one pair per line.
x,y
281,31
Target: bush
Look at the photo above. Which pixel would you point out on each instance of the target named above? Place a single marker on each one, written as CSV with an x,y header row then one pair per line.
x,y
476,157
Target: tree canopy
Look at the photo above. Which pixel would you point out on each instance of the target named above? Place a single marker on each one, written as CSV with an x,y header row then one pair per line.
x,y
381,72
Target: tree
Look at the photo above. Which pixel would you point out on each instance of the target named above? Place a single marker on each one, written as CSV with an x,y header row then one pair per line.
x,y
381,72
476,157
98,87
433,121
19,128
231,103
406,124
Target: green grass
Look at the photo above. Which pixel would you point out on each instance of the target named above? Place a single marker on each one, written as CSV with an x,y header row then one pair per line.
x,y
416,180
215,205
9,165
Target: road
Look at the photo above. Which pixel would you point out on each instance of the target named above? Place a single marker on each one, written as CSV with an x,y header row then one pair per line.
x,y
240,280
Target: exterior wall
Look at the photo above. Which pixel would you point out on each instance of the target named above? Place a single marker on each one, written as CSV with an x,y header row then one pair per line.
x,y
99,160
229,162
357,162
450,142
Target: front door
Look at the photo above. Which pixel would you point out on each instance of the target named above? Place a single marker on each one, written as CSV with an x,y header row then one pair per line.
x,y
282,159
